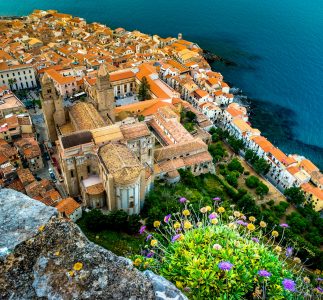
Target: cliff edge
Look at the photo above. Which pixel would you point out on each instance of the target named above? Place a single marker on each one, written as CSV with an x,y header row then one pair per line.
x,y
43,256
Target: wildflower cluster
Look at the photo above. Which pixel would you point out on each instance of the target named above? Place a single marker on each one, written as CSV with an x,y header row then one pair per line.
x,y
217,252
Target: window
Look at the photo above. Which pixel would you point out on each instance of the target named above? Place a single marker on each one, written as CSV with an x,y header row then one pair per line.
x,y
72,173
18,73
88,169
24,72
29,71
149,152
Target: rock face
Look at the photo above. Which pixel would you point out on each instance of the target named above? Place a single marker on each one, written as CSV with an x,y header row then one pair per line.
x,y
39,251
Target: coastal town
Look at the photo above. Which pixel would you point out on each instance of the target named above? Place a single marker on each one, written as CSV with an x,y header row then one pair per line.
x,y
77,132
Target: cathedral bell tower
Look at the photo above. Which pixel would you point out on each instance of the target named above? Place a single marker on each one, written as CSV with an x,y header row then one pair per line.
x,y
53,107
105,94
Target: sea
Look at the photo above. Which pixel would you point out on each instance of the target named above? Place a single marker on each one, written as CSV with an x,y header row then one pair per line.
x,y
275,46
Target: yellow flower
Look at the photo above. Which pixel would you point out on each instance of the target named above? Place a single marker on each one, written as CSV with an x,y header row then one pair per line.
x,y
232,225
179,285
263,224
186,212
78,266
146,264
297,260
71,273
41,228
221,210
236,214
199,224
156,224
56,253
306,279
153,243
177,225
214,221
137,262
251,227
317,272
252,219
203,210
275,233
208,208
278,248
236,243
187,225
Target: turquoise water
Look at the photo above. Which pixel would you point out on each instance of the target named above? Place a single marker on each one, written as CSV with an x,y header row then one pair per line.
x,y
277,46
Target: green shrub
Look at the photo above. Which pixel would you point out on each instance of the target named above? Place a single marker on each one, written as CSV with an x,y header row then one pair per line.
x,y
211,258
252,181
262,189
235,165
231,178
271,202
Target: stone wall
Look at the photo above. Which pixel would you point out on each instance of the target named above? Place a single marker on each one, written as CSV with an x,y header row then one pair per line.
x,y
38,251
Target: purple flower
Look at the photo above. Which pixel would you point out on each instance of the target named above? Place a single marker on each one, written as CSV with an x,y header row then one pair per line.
x,y
142,229
225,265
243,217
217,199
264,273
289,251
150,254
289,285
166,218
240,222
255,240
319,289
149,236
319,279
213,216
175,238
182,200
284,225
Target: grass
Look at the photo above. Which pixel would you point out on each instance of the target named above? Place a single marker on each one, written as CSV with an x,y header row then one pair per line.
x,y
120,243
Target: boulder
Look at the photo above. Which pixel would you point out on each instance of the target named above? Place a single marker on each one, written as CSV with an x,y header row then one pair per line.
x,y
44,256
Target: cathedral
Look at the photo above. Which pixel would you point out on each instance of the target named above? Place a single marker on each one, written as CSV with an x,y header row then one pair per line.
x,y
108,165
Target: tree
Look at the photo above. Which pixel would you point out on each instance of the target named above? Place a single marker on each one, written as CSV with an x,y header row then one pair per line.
x,y
250,155
191,116
261,166
294,195
252,182
95,220
236,144
232,179
262,189
144,88
11,82
235,165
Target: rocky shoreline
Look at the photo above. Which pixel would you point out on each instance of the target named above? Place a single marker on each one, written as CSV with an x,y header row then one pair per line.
x,y
211,58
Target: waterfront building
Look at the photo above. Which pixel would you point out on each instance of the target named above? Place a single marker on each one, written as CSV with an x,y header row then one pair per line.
x,y
18,77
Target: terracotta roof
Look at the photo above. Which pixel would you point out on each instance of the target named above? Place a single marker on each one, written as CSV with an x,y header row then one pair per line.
x,y
95,189
278,154
120,162
121,75
67,206
134,131
263,143
171,151
25,176
85,116
308,166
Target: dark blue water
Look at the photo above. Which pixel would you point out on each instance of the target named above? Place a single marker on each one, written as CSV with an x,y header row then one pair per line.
x,y
276,44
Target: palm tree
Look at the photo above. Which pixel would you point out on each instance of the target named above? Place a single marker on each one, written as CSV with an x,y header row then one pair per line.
x,y
11,82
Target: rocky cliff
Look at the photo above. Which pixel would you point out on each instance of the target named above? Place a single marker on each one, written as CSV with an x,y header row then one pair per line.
x,y
43,256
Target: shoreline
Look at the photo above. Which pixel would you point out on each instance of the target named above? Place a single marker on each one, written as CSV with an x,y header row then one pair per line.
x,y
256,106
